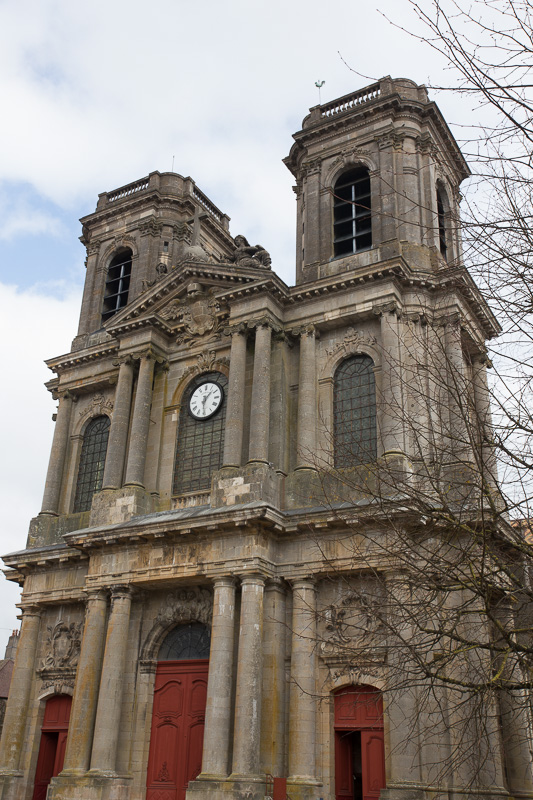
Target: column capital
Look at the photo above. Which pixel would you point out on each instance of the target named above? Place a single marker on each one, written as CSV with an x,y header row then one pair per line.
x,y
224,580
64,394
276,585
95,594
121,592
381,309
31,610
126,360
264,322
306,330
238,328
303,583
250,578
149,354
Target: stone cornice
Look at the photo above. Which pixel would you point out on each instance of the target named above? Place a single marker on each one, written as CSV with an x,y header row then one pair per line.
x,y
79,357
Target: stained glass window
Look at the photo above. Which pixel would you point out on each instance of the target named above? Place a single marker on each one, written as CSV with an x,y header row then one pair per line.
x,y
92,461
354,411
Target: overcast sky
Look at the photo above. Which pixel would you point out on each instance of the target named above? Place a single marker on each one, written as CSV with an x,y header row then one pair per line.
x,y
96,95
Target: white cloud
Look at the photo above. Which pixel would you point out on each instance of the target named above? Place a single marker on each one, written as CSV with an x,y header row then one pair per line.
x,y
33,326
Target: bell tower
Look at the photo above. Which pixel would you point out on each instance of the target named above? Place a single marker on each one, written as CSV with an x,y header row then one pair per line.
x,y
377,177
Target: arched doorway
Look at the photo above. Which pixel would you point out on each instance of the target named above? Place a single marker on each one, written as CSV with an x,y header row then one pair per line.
x,y
359,745
178,715
53,743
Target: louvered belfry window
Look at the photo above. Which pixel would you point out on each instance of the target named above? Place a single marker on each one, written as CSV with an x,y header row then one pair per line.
x,y
92,462
354,411
200,444
352,221
117,284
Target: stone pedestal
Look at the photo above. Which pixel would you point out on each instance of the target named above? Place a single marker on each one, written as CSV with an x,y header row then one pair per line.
x,y
255,482
112,506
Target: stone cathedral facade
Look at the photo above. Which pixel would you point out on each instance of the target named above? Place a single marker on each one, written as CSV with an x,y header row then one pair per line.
x,y
184,604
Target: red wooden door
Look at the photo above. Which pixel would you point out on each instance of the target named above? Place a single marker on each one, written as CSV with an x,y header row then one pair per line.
x,y
359,744
53,743
177,735
373,763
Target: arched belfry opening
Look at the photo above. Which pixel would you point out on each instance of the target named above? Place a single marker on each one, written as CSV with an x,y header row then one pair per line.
x,y
352,221
180,694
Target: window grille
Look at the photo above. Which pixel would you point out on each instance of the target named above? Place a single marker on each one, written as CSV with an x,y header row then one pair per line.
x,y
117,284
200,444
192,640
352,222
92,461
441,218
354,412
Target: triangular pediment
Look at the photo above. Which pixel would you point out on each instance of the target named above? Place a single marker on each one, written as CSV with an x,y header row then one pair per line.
x,y
183,302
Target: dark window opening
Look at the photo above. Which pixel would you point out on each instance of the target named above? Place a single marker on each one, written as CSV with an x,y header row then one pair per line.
x,y
92,462
441,217
165,247
354,412
192,640
117,284
352,220
199,449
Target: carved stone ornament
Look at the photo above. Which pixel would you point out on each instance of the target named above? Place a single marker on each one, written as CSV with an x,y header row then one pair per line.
x,y
190,604
351,624
64,642
98,405
161,271
198,313
206,362
246,255
352,340
350,155
58,685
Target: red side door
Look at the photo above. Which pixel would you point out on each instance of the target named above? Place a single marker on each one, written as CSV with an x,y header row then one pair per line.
x,y
373,763
177,735
53,743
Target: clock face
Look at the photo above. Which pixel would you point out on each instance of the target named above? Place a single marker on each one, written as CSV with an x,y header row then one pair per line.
x,y
205,400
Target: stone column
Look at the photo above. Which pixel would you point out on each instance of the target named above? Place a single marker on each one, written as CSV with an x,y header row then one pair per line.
x,y
458,390
247,737
260,411
140,424
307,388
273,702
484,422
235,404
302,728
20,691
391,409
401,708
54,476
215,760
118,435
107,725
83,713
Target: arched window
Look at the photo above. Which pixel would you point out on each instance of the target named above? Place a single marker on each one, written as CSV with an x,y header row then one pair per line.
x,y
117,284
441,221
199,448
354,412
189,641
92,461
352,222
